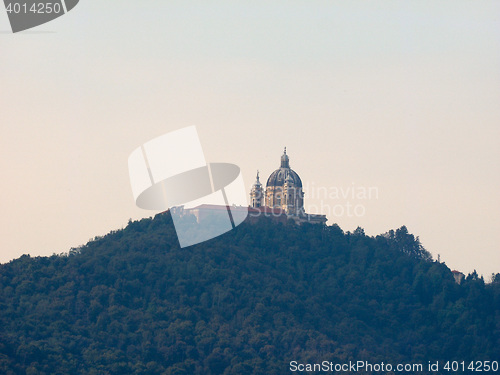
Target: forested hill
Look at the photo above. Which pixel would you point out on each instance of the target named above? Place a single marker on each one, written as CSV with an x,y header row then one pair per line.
x,y
247,302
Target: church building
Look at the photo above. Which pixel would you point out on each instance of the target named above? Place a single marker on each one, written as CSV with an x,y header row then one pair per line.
x,y
283,194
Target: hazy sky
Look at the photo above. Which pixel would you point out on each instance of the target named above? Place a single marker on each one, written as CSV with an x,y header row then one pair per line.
x,y
400,96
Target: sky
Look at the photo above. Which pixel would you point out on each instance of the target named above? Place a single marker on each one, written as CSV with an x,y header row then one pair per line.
x,y
399,99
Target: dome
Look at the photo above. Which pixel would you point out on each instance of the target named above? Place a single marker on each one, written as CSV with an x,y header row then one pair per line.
x,y
279,176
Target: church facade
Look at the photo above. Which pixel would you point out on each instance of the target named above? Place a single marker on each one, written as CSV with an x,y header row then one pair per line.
x,y
283,194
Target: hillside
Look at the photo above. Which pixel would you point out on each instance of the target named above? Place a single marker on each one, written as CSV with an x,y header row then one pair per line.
x,y
247,302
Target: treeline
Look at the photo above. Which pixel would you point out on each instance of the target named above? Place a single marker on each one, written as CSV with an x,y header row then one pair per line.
x,y
247,302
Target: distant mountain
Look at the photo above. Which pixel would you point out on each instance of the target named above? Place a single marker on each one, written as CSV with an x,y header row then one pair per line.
x,y
248,302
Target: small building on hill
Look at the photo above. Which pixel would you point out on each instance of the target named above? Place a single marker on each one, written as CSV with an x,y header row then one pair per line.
x,y
459,276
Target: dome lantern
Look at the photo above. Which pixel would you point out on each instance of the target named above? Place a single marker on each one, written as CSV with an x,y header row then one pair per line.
x,y
284,160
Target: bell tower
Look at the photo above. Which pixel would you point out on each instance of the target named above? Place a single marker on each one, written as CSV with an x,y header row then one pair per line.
x,y
257,193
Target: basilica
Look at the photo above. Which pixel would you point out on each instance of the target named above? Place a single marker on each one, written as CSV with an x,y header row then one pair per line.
x,y
283,196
